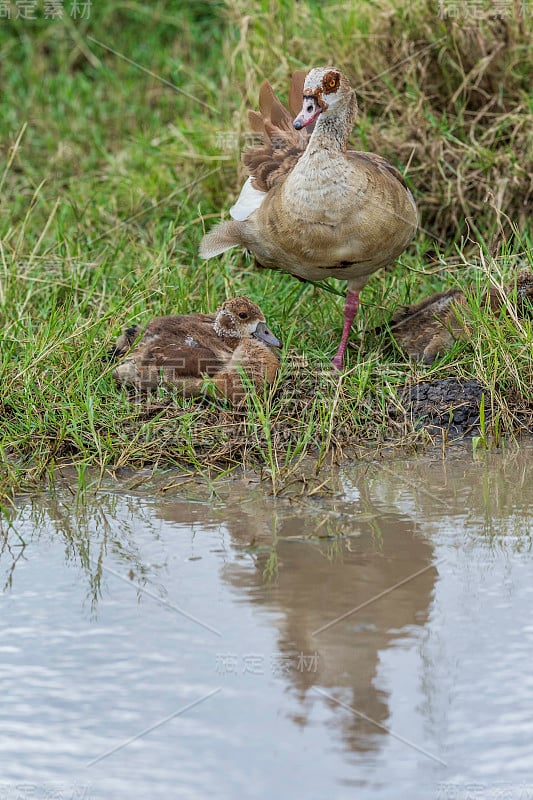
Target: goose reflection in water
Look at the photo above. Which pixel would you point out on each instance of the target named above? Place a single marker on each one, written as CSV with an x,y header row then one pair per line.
x,y
304,584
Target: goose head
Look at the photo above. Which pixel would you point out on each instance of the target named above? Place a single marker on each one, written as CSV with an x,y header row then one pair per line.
x,y
326,90
239,318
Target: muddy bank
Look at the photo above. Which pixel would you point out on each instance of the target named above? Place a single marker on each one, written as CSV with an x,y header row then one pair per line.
x,y
457,407
297,417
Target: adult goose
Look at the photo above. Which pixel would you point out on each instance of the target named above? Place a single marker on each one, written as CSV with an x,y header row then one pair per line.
x,y
181,351
310,206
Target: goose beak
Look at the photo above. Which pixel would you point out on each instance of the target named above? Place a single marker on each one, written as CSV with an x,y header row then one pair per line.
x,y
262,332
311,108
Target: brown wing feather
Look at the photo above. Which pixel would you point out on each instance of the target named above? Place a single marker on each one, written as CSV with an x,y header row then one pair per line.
x,y
296,91
282,145
272,110
257,124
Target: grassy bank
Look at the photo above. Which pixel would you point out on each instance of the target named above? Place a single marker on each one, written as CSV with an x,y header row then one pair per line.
x,y
110,174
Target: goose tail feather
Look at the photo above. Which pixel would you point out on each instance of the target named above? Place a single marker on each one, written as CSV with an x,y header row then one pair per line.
x,y
222,237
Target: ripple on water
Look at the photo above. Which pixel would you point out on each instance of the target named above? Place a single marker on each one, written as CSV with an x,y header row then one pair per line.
x,y
338,643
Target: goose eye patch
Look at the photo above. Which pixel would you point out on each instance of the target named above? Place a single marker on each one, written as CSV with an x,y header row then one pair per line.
x,y
331,82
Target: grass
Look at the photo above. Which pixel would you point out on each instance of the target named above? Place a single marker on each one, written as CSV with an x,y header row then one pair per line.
x,y
109,176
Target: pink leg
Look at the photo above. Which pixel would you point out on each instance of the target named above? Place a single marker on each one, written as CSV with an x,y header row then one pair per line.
x,y
350,309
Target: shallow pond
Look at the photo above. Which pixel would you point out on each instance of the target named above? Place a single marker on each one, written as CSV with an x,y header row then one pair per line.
x,y
371,637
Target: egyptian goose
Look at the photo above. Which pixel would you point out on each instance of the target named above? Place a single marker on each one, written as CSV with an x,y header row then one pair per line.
x,y
310,206
429,328
181,351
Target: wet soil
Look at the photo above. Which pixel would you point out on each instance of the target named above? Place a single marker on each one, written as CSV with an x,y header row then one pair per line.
x,y
453,406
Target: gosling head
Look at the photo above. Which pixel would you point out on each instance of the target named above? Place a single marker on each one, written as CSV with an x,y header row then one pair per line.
x,y
239,318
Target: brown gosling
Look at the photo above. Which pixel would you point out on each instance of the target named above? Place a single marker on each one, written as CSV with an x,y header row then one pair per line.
x,y
182,351
429,328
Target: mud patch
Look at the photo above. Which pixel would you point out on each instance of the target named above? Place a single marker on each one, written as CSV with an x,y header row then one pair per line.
x,y
451,405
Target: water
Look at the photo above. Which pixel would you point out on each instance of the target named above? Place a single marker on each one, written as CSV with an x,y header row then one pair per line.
x,y
370,639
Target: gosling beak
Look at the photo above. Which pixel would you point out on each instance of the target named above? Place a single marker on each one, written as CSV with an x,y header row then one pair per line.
x,y
311,108
262,332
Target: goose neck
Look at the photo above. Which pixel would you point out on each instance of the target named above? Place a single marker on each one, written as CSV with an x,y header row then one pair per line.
x,y
333,129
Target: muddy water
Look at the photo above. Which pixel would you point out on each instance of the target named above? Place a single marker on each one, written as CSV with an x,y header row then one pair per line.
x,y
370,638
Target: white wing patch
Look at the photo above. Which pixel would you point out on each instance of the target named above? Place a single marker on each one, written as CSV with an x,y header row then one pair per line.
x,y
248,201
